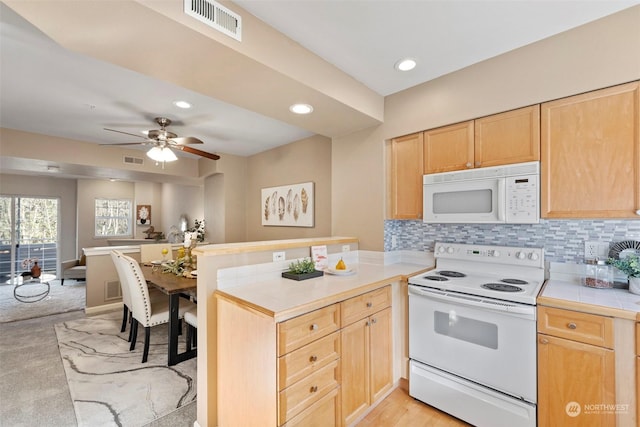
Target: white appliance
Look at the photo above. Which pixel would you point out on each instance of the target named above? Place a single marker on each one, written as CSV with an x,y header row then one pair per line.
x,y
502,194
472,333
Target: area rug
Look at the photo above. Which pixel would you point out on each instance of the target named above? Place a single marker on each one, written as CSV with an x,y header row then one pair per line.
x,y
61,299
109,385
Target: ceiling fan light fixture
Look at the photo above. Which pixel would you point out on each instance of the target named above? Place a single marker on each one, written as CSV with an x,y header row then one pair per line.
x,y
182,104
301,108
406,64
162,154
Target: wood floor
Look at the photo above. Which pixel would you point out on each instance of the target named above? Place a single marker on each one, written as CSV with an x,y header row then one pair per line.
x,y
401,410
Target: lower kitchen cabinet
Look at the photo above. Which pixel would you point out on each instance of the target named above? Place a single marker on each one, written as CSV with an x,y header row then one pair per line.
x,y
366,352
576,368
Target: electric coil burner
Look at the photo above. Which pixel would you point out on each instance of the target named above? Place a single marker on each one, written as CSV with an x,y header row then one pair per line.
x,y
515,281
436,278
501,287
447,273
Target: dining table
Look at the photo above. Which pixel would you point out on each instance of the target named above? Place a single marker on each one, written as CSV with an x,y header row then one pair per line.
x,y
174,287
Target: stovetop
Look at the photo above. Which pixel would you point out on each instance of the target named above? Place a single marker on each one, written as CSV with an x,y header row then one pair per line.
x,y
500,272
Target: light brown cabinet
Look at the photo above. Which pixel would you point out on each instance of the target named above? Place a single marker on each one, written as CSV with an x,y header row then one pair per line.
x,y
366,352
590,154
499,139
406,177
448,148
576,368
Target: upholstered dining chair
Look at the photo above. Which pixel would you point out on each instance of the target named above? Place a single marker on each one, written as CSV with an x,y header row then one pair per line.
x,y
191,319
145,311
126,296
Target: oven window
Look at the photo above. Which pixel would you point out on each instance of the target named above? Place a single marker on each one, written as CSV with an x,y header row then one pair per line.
x,y
455,202
466,329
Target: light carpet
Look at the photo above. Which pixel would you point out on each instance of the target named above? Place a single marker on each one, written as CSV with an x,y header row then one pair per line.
x,y
109,385
61,299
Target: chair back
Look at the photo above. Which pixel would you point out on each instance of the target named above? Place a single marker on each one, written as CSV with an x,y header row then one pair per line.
x,y
140,302
126,294
153,251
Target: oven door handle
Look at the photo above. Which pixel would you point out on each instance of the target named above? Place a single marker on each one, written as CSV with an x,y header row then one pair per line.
x,y
475,301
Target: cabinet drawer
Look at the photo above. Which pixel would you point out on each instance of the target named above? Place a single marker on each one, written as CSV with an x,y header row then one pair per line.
x,y
301,330
576,326
325,412
295,399
359,307
304,361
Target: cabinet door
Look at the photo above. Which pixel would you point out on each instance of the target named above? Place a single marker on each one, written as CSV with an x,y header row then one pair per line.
x,y
381,345
506,138
406,177
572,376
590,154
355,370
448,148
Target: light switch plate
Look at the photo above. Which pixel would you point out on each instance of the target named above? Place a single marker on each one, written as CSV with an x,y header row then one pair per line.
x,y
278,256
346,248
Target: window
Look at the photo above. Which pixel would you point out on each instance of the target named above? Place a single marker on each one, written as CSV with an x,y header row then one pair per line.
x,y
113,217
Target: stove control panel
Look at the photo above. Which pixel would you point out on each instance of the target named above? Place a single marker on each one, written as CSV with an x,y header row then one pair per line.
x,y
532,257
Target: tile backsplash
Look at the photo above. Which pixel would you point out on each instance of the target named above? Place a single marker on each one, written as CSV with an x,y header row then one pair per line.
x,y
563,240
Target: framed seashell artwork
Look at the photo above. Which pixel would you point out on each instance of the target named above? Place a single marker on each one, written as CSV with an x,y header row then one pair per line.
x,y
288,205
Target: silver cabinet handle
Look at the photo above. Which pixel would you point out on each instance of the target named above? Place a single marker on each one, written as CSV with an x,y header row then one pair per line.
x,y
374,320
314,327
313,389
369,305
544,341
468,164
478,163
572,325
313,358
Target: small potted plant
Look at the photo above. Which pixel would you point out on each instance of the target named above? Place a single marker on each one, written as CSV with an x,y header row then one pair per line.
x,y
302,269
629,265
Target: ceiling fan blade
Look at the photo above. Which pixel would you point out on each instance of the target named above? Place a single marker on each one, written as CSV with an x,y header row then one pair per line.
x,y
197,152
128,143
126,133
186,140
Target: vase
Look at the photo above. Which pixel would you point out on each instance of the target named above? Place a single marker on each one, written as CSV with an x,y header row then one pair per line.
x,y
634,285
35,270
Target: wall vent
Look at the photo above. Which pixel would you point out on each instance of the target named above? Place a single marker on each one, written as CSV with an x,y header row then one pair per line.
x,y
112,290
133,160
216,16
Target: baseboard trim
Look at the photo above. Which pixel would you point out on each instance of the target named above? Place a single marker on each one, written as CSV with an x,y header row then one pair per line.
x,y
102,308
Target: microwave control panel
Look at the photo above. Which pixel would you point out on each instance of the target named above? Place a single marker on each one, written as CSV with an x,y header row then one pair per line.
x,y
522,196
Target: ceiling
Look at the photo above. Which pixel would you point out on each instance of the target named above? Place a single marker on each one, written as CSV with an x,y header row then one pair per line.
x,y
50,90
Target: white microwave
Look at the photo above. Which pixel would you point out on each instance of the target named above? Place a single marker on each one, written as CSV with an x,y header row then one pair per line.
x,y
507,194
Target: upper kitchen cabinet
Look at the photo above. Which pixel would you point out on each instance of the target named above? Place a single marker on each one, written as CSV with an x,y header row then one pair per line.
x,y
406,177
509,137
448,148
499,139
590,166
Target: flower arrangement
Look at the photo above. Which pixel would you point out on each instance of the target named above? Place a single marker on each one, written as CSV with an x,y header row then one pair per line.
x,y
629,265
27,263
198,229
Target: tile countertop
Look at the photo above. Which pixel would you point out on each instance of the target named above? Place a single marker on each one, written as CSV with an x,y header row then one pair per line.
x,y
283,298
607,302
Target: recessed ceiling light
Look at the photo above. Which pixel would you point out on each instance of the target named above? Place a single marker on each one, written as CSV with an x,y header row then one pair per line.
x,y
406,64
182,104
301,108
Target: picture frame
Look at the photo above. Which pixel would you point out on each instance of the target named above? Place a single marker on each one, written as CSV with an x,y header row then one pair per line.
x,y
143,214
290,205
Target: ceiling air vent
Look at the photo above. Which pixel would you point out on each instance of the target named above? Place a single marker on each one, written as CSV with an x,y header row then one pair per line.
x,y
216,16
133,160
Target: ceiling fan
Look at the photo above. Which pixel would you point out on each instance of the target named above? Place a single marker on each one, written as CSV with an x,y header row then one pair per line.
x,y
163,141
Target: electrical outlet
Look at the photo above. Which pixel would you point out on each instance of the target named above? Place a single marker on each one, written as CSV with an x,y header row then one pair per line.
x,y
593,250
590,250
346,248
278,256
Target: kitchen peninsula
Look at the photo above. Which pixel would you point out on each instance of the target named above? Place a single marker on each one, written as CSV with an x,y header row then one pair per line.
x,y
277,342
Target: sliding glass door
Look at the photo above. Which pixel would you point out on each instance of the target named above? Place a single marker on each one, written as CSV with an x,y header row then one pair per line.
x,y
28,232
